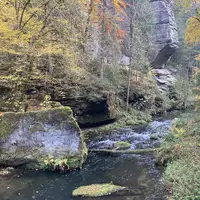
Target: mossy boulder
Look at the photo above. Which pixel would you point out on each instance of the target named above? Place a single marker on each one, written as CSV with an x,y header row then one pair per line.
x,y
45,139
154,137
121,145
97,190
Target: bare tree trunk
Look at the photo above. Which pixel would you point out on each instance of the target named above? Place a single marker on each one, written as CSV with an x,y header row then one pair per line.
x,y
133,13
89,19
102,41
22,14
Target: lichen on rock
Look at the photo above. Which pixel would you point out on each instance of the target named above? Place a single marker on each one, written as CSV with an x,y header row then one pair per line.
x,y
32,138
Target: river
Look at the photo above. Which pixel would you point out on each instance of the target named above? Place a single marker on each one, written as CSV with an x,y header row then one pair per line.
x,y
137,172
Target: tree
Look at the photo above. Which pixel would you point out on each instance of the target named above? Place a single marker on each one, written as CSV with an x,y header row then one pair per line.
x,y
104,17
139,41
192,32
39,25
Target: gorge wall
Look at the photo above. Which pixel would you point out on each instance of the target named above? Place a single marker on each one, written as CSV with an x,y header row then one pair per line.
x,y
164,35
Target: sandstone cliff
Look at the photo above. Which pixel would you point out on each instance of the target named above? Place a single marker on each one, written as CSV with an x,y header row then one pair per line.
x,y
165,32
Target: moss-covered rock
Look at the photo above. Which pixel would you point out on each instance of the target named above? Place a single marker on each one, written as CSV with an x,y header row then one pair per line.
x,y
121,145
154,137
45,139
97,190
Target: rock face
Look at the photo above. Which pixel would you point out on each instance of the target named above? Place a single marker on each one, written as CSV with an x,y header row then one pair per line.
x,y
165,32
164,38
41,139
165,79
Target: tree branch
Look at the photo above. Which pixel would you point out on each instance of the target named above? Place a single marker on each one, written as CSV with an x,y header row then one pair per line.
x,y
23,11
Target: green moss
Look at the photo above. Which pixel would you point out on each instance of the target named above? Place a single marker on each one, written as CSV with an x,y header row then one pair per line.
x,y
97,190
122,145
8,122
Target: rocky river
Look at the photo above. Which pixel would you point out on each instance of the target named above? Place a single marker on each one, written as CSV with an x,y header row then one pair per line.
x,y
136,172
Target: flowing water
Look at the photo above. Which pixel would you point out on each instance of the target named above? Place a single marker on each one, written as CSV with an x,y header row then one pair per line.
x,y
137,172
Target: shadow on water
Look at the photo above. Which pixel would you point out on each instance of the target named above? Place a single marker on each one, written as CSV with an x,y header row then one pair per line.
x,y
135,172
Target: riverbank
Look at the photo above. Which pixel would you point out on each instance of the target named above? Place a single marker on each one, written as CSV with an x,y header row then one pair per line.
x,y
180,153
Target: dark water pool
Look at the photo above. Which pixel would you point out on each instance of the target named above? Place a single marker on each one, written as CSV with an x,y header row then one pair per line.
x,y
135,172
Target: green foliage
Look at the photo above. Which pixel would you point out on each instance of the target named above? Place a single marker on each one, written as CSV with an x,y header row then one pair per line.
x,y
56,164
181,94
47,102
183,176
180,153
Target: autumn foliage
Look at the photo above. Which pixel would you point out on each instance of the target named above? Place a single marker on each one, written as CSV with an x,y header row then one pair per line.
x,y
106,16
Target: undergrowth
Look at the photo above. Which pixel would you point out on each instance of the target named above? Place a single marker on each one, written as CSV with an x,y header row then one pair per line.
x,y
180,154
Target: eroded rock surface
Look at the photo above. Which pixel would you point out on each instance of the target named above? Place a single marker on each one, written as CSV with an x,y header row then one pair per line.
x,y
165,79
41,139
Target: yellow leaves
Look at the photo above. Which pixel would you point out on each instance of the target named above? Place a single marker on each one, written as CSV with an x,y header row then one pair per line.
x,y
198,57
192,35
178,132
11,35
192,32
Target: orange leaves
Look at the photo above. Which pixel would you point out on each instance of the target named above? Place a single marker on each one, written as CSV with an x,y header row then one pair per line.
x,y
119,6
1,114
107,16
120,34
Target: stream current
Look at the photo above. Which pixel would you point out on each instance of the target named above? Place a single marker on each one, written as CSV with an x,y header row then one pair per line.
x,y
137,172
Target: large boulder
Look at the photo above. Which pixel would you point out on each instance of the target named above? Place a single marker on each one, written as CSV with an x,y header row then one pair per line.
x,y
45,139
